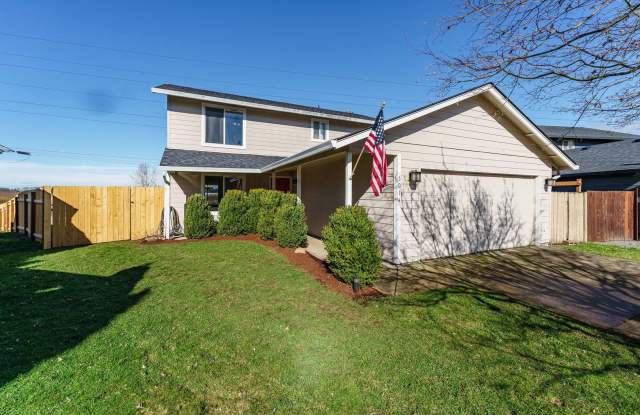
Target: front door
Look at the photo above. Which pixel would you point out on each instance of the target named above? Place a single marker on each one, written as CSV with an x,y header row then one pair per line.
x,y
283,184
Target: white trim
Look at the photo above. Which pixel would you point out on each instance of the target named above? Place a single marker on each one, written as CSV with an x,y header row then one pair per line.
x,y
299,183
326,130
250,104
209,169
167,206
397,205
348,178
320,148
203,126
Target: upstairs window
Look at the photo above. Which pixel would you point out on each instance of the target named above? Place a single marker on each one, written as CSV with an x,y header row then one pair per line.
x,y
568,144
320,129
223,127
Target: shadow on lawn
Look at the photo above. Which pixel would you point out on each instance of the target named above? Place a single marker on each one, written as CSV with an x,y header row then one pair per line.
x,y
520,330
43,313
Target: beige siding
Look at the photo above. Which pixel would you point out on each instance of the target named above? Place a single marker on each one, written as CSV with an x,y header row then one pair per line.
x,y
379,209
182,185
323,189
267,132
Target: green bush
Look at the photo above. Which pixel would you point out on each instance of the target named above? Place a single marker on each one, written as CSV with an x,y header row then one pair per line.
x,y
232,212
291,226
254,202
270,201
352,245
198,222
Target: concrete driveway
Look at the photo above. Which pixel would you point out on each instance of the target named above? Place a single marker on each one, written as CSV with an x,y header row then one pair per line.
x,y
601,291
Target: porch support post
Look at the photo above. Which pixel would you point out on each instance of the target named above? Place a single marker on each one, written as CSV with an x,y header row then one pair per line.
x,y
167,206
273,180
348,175
299,183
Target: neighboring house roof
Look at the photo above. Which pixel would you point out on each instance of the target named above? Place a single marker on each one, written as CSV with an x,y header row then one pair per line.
x,y
232,99
188,160
620,156
559,132
492,93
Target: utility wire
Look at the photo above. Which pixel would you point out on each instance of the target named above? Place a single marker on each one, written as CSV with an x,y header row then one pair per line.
x,y
210,61
40,104
81,118
75,91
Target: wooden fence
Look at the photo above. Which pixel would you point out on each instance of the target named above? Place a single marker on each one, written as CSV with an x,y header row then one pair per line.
x,y
7,216
72,215
594,216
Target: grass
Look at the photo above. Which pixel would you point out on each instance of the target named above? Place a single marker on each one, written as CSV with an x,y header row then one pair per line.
x,y
632,254
231,327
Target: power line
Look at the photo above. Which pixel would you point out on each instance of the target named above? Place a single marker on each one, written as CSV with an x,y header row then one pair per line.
x,y
72,91
112,156
80,109
210,61
81,118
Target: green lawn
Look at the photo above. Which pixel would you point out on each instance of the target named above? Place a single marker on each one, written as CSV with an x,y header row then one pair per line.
x,y
632,254
231,327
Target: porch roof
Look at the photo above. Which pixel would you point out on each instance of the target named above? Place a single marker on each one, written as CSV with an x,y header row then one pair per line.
x,y
192,160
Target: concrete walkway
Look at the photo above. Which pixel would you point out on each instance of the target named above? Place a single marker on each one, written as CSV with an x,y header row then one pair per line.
x,y
601,291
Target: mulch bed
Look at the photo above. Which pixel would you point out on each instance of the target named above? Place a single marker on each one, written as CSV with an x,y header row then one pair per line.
x,y
311,265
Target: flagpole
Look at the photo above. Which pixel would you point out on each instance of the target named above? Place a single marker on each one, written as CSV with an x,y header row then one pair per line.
x,y
353,171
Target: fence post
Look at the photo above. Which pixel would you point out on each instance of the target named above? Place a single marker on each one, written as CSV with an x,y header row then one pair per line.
x,y
47,203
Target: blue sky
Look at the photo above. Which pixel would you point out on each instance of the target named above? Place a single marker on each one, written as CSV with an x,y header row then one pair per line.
x,y
76,79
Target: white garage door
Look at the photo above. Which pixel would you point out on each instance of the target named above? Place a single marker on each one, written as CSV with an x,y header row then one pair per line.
x,y
453,214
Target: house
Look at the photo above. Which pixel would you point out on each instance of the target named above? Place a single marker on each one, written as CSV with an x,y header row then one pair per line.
x,y
466,174
569,138
612,166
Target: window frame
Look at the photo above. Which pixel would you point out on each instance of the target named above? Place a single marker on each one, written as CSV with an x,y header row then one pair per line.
x,y
242,177
571,144
320,120
203,133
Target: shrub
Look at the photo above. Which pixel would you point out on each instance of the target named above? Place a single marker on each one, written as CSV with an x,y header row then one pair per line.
x,y
269,204
233,213
352,245
198,222
270,201
291,226
254,202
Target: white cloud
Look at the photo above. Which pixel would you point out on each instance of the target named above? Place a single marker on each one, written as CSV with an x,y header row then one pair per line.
x,y
27,174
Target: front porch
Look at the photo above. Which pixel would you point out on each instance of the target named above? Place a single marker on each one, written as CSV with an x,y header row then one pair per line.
x,y
322,184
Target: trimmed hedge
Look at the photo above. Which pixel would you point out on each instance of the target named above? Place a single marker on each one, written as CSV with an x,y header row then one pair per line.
x,y
352,245
198,222
291,226
233,213
254,203
270,201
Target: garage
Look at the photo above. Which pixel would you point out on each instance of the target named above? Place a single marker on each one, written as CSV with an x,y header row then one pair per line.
x,y
451,213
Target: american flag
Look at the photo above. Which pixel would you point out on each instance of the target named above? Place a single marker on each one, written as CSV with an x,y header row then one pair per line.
x,y
375,146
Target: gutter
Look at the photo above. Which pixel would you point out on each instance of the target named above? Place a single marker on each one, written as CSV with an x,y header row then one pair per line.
x,y
327,145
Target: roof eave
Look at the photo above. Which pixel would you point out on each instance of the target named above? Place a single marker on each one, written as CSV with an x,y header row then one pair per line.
x,y
249,104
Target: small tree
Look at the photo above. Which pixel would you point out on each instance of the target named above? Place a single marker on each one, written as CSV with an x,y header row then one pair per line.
x,y
198,222
352,245
233,213
145,175
291,226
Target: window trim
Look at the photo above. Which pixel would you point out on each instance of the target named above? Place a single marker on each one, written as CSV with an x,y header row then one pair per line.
x,y
571,144
242,177
317,140
203,122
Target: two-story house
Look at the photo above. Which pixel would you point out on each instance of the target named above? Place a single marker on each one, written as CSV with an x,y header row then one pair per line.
x,y
466,174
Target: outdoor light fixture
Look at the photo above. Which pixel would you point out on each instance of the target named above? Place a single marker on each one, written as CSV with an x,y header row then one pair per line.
x,y
549,182
414,176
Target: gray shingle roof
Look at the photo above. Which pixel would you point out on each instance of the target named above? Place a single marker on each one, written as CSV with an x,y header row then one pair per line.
x,y
215,94
555,131
618,156
209,159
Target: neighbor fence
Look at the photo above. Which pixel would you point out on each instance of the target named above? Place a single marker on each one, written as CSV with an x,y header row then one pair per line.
x,y
63,216
594,216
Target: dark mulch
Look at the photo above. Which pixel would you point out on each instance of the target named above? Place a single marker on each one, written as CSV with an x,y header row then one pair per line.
x,y
311,265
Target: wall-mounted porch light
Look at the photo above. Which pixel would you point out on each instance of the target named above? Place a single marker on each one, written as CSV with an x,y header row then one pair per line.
x,y
414,176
